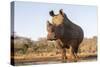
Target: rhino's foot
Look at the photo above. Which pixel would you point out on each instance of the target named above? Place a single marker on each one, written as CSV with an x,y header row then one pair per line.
x,y
75,60
64,61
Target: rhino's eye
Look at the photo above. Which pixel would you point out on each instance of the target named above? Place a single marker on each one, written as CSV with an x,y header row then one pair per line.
x,y
53,29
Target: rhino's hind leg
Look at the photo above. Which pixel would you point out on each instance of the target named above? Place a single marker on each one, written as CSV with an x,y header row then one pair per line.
x,y
76,57
73,54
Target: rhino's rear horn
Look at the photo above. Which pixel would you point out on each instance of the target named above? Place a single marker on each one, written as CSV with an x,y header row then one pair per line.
x,y
61,11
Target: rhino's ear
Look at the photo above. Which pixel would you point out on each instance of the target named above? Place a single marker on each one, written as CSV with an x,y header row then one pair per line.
x,y
61,12
48,23
51,13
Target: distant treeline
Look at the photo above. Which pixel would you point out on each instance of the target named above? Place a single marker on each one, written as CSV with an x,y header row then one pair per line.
x,y
24,45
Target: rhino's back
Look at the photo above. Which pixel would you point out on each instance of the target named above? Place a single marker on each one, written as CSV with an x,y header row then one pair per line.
x,y
73,31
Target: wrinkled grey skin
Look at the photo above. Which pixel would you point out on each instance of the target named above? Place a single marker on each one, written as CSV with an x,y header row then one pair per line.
x,y
65,33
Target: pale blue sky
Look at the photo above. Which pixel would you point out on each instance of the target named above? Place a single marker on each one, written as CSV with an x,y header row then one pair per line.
x,y
30,18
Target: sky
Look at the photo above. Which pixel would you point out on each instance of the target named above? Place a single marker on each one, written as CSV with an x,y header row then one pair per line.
x,y
30,18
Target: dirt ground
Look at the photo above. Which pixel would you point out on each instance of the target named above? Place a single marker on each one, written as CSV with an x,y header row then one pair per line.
x,y
50,58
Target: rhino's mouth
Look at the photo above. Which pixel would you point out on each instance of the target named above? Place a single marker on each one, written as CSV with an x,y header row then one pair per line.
x,y
51,39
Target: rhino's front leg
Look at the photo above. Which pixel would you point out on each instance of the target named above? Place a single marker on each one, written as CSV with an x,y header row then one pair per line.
x,y
64,57
59,44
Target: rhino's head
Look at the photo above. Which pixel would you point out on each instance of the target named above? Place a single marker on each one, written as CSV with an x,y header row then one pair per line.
x,y
54,32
